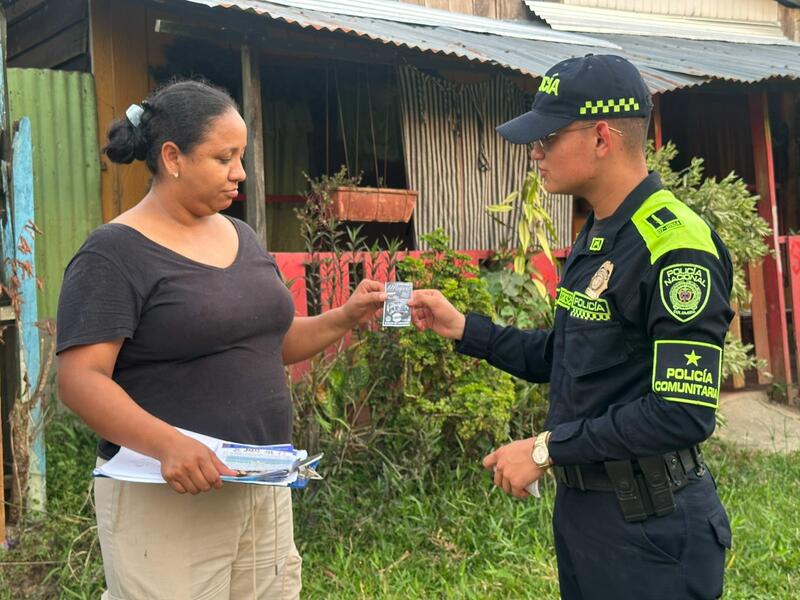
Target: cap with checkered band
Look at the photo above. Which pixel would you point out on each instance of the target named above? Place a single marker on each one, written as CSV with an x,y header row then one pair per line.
x,y
594,87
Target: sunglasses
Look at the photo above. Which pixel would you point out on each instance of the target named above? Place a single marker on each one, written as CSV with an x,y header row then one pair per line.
x,y
546,143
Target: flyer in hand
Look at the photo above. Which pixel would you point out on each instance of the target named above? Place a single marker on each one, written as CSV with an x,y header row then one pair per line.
x,y
264,464
281,465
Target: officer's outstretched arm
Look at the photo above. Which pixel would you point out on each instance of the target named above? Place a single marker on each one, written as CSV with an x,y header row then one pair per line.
x,y
523,353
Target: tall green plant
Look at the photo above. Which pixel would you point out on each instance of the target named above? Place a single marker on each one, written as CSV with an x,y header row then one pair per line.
x,y
519,295
532,228
730,209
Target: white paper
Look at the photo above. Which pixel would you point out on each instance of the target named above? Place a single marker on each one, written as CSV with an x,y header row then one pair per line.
x,y
128,465
533,489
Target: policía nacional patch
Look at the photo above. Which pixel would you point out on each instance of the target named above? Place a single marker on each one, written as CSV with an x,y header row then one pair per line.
x,y
689,372
685,288
599,281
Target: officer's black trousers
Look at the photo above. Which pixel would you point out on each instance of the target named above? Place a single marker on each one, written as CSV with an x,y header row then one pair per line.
x,y
676,557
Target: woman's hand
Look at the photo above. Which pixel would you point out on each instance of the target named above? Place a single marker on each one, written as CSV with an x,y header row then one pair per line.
x,y
431,310
189,466
364,302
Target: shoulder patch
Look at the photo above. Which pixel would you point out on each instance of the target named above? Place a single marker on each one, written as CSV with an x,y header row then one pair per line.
x,y
687,371
665,224
685,289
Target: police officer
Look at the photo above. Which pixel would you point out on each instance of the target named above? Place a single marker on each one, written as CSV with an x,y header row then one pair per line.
x,y
633,358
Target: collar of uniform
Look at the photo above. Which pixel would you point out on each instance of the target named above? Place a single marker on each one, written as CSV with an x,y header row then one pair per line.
x,y
649,186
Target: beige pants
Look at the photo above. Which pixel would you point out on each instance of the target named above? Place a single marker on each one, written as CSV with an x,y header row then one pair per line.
x,y
233,543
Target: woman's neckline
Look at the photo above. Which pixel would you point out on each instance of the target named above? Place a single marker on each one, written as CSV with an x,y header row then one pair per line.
x,y
183,256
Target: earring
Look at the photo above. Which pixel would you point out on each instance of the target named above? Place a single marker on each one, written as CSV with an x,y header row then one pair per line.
x,y
176,174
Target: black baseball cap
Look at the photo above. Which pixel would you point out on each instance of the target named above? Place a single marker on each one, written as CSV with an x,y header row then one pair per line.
x,y
596,86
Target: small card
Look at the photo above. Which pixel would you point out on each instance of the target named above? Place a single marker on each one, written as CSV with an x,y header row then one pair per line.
x,y
396,311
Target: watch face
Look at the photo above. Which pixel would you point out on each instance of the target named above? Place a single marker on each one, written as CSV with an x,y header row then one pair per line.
x,y
540,454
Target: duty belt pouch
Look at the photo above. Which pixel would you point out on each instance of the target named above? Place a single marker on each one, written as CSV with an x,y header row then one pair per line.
x,y
622,477
655,475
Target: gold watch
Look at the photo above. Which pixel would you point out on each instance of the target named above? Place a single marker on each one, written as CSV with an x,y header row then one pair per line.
x,y
540,453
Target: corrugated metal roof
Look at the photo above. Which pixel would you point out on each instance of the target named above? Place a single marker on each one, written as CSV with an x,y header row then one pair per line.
x,y
711,59
602,20
309,13
666,63
740,10
66,167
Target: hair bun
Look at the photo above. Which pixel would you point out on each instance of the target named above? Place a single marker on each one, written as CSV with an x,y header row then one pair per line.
x,y
126,143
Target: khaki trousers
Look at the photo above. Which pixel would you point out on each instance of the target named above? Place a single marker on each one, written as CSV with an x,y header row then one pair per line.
x,y
235,543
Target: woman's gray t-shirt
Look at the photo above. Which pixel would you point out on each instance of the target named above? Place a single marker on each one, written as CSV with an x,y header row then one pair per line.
x,y
202,345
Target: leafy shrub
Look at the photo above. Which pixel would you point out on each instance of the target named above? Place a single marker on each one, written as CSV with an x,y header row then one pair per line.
x,y
407,394
462,397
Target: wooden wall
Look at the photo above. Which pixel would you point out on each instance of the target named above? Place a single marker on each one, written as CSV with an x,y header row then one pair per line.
x,y
494,9
764,11
48,34
790,22
124,47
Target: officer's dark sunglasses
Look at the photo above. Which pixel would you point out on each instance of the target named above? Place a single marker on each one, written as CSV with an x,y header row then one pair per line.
x,y
546,143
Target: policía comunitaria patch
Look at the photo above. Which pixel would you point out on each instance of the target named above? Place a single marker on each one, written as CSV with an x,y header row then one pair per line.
x,y
685,288
688,372
599,281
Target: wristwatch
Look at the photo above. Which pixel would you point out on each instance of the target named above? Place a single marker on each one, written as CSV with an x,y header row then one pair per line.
x,y
540,453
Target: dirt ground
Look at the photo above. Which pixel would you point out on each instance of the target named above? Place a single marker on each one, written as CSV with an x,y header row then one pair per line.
x,y
752,421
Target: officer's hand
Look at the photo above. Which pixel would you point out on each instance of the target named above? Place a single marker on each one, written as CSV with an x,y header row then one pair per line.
x,y
431,310
513,467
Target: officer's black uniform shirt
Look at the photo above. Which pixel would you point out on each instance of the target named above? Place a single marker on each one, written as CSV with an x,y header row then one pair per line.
x,y
635,352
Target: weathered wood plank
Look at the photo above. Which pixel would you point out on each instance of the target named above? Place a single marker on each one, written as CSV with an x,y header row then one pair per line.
x,y
22,8
485,8
53,18
793,253
19,244
736,330
120,69
62,47
758,312
772,267
460,6
255,184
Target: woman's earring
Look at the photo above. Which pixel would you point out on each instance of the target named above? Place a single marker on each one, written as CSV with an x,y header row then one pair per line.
x,y
176,174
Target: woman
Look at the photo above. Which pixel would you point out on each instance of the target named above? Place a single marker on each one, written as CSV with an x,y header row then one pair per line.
x,y
173,315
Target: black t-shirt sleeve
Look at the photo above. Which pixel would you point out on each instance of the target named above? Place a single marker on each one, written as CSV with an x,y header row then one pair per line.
x,y
97,304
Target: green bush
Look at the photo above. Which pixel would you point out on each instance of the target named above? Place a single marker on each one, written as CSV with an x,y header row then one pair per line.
x,y
408,394
462,397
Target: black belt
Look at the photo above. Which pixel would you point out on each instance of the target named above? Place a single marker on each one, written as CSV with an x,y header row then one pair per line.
x,y
644,486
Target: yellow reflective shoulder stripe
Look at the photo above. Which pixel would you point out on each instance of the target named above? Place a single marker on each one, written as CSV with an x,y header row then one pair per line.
x,y
665,224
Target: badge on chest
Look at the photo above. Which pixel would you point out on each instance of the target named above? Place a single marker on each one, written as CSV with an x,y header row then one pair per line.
x,y
599,281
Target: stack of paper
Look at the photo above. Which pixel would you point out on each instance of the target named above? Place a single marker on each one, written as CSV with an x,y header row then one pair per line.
x,y
281,465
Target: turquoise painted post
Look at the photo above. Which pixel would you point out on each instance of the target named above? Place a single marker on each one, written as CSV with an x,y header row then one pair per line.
x,y
20,246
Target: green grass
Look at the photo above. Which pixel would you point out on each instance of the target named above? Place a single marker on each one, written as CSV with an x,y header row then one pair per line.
x,y
56,554
452,537
462,539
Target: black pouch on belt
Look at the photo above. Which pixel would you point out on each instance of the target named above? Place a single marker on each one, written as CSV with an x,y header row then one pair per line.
x,y
655,475
620,472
